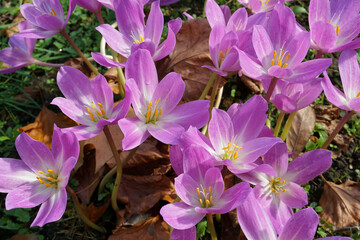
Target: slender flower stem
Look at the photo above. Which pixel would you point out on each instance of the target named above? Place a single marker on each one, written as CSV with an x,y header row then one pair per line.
x,y
113,171
287,126
278,124
319,54
99,17
81,213
337,129
212,101
211,226
271,88
120,73
208,86
218,98
118,167
37,62
79,52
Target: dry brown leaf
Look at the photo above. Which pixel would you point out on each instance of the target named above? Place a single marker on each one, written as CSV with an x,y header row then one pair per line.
x,y
300,130
14,28
230,226
24,237
79,64
94,213
112,78
255,86
190,53
42,128
152,228
341,203
329,116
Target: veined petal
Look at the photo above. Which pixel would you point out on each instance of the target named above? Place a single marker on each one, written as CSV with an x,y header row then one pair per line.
x,y
104,61
116,40
237,21
194,113
334,95
216,35
122,108
185,187
49,22
280,72
52,209
166,132
213,179
251,67
279,213
263,46
176,159
102,93
354,104
259,175
73,110
36,155
29,12
28,195
308,70
37,32
83,132
295,196
302,225
221,130
319,10
324,36
277,157
298,48
308,166
135,132
13,173
154,23
254,221
194,136
147,45
181,216
349,73
12,69
186,234
214,14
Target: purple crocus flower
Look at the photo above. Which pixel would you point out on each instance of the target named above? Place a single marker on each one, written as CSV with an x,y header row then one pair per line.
x,y
20,53
201,189
41,176
93,6
350,78
155,104
258,6
255,223
89,103
134,34
233,136
334,24
110,3
278,182
280,48
46,18
290,97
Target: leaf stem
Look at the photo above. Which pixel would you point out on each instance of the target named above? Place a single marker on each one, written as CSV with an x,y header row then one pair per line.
x,y
81,213
79,52
287,125
211,226
118,168
271,88
337,129
278,124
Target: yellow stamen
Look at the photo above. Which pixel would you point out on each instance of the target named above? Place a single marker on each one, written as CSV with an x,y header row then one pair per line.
x,y
201,202
41,181
221,55
278,178
285,65
210,190
231,151
235,154
276,192
205,191
160,112
48,185
273,189
207,202
142,39
358,95
156,112
283,182
101,109
51,179
271,181
41,172
198,191
149,106
284,190
15,47
330,21
266,1
51,171
279,63
287,57
98,113
148,115
53,12
37,177
337,30
91,114
274,54
157,101
272,62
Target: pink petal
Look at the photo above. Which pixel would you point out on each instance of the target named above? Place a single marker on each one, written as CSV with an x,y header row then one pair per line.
x,y
135,132
349,73
295,196
166,132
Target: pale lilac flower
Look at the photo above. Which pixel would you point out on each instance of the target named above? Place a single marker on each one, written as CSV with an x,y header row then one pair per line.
x,y
93,6
280,49
290,97
258,6
110,3
134,34
90,103
41,176
278,182
46,18
201,189
350,78
234,136
156,104
255,223
334,24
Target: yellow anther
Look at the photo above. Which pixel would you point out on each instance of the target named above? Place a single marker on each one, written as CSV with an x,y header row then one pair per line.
x,y
330,21
337,30
157,101
282,53
48,185
51,171
266,1
149,105
53,12
231,151
148,115
271,181
41,181
235,154
101,109
210,199
283,182
142,39
272,62
207,202
210,190
137,41
201,202
273,189
37,177
156,112
285,65
198,191
98,113
287,57
160,112
51,179
279,63
91,114
284,190
276,192
221,55
41,172
278,178
274,54
205,191
15,47
358,95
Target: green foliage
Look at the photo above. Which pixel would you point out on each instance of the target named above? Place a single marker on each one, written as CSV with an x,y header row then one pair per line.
x,y
320,131
201,229
353,127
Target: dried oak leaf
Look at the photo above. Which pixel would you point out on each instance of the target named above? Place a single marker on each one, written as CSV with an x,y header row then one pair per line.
x,y
111,76
329,116
94,213
87,176
341,204
300,130
79,64
152,228
42,128
190,54
255,86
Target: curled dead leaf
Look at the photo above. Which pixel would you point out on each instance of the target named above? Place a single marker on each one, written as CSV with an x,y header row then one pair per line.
x,y
79,64
300,130
341,203
255,86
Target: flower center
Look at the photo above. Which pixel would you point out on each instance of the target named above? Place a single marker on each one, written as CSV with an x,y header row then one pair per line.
x,y
277,185
280,59
264,2
222,56
205,196
50,178
231,151
53,12
96,112
337,29
154,112
136,39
